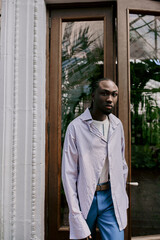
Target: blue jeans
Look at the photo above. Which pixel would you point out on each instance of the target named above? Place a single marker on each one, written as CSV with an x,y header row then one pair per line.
x,y
102,214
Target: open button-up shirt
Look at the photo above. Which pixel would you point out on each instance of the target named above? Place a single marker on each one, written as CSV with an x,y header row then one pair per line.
x,y
84,153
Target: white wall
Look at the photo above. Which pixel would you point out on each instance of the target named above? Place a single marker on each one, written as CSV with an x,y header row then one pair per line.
x,y
22,119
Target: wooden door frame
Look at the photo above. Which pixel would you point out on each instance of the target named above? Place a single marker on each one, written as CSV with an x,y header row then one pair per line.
x,y
53,106
124,8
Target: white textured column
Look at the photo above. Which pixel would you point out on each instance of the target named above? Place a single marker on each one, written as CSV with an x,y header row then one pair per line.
x,y
22,119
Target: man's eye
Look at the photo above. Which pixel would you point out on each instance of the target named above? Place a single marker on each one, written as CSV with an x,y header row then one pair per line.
x,y
114,94
104,93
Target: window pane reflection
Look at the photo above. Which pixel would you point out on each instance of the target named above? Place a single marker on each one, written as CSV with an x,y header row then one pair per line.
x,y
82,63
145,122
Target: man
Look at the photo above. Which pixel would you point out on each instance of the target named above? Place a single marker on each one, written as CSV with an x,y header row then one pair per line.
x,y
94,170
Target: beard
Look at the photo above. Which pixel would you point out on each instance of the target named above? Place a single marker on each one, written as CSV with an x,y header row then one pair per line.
x,y
107,111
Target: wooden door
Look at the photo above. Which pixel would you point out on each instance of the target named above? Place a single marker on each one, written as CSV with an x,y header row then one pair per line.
x,y
81,48
128,13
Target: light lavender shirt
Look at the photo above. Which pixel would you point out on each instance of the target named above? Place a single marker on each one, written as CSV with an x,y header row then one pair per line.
x,y
84,153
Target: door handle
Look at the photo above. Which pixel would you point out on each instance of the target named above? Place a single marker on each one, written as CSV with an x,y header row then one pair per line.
x,y
133,183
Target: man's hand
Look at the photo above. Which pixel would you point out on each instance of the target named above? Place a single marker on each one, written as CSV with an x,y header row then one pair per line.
x,y
89,237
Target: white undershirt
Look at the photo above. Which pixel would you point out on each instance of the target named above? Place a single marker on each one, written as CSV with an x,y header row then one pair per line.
x,y
103,127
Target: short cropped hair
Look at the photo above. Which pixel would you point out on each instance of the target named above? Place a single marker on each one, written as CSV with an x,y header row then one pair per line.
x,y
95,84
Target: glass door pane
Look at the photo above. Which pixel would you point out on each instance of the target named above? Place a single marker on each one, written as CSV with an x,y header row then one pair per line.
x,y
82,63
145,123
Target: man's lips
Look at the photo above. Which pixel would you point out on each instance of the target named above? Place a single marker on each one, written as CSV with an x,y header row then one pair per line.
x,y
108,106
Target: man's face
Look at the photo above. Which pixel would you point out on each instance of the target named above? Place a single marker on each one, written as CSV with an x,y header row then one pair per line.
x,y
105,97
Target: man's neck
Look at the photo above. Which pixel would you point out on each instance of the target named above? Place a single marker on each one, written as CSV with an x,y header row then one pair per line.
x,y
97,115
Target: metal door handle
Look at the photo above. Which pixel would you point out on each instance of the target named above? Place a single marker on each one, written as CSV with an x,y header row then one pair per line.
x,y
133,183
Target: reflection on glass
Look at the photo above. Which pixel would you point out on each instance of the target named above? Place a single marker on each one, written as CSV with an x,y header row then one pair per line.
x,y
145,123
82,63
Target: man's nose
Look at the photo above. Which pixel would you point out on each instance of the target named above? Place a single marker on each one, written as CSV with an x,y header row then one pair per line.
x,y
109,98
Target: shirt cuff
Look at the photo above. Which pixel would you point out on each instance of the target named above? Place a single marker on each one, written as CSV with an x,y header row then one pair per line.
x,y
78,226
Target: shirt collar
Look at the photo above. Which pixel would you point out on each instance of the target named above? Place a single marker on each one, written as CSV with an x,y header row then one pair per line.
x,y
113,120
86,116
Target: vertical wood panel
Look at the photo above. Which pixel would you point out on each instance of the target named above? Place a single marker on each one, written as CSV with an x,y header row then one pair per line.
x,y
124,86
108,44
55,127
